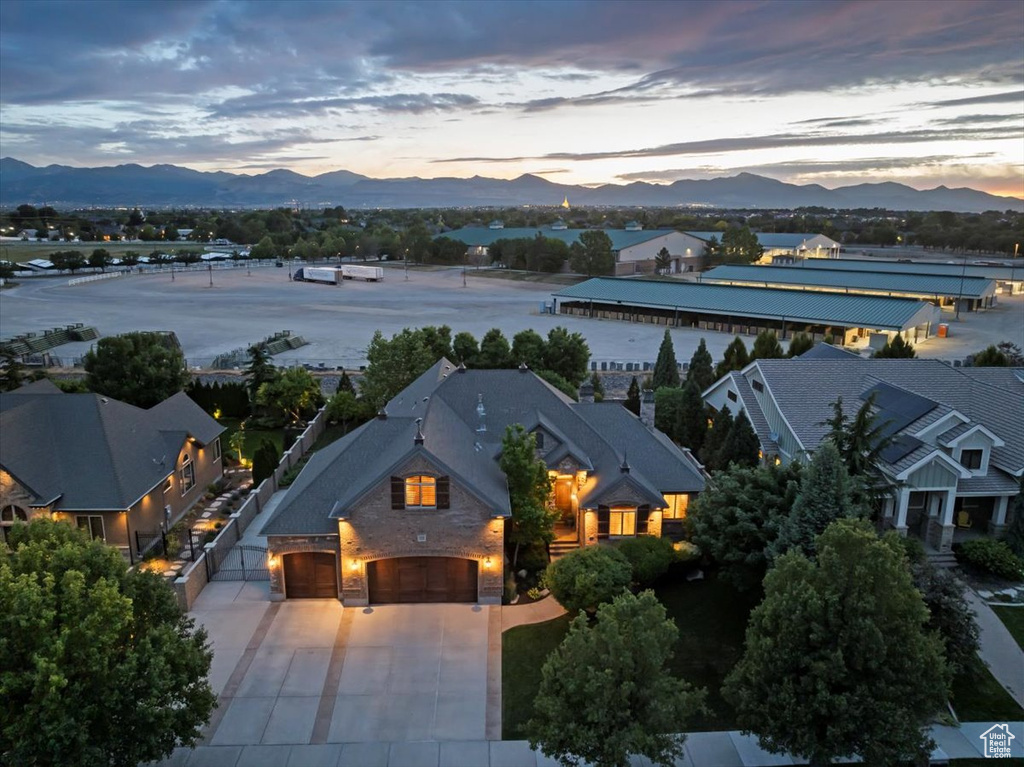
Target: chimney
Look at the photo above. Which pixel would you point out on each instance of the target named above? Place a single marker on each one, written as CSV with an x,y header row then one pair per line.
x,y
586,392
462,367
647,408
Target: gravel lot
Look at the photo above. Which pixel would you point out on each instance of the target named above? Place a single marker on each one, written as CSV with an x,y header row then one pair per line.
x,y
339,321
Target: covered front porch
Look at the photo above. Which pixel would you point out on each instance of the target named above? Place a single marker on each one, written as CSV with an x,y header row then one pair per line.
x,y
941,518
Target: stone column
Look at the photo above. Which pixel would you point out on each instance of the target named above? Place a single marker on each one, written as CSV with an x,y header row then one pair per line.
x,y
997,523
589,528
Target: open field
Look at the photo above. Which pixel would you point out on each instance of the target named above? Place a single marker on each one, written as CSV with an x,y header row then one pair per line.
x,y
339,321
19,252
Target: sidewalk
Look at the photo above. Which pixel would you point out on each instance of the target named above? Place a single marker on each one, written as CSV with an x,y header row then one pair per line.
x,y
999,650
703,749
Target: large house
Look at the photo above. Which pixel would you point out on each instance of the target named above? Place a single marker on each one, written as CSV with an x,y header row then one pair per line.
x,y
116,470
957,454
411,507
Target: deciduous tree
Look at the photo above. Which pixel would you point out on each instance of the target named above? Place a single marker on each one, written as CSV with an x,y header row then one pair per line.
x,y
990,357
466,349
607,693
528,347
839,661
141,369
99,665
393,364
896,348
737,518
592,255
295,392
99,259
495,353
798,344
736,357
528,489
567,354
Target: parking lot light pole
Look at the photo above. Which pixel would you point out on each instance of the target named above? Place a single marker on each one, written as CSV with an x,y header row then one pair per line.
x,y
209,268
406,264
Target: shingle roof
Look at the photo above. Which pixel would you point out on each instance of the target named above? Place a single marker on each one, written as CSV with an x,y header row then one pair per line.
x,y
846,282
92,451
446,399
805,389
823,351
876,312
754,413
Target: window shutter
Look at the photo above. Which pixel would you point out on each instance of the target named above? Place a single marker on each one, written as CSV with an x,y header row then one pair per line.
x,y
397,493
443,492
643,514
603,517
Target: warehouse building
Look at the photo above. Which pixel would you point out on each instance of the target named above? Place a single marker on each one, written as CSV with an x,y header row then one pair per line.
x,y
1006,275
634,247
749,310
973,292
786,247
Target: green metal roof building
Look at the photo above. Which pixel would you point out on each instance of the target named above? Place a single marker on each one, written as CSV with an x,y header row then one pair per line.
x,y
747,310
955,269
941,289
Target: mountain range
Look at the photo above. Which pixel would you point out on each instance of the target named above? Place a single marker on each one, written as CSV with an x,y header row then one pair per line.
x,y
173,186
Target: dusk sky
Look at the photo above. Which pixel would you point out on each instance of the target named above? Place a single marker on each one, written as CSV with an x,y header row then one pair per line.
x,y
836,93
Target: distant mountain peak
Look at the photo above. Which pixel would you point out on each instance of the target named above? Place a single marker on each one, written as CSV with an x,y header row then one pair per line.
x,y
171,185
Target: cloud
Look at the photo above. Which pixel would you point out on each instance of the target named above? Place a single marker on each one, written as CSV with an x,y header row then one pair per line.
x,y
774,141
974,119
395,103
1009,97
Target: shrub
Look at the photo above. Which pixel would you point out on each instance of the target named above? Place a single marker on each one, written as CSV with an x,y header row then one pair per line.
x,y
585,578
990,556
510,589
687,552
264,461
533,558
649,557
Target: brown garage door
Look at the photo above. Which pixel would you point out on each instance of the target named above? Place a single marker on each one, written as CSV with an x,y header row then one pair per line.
x,y
310,575
422,579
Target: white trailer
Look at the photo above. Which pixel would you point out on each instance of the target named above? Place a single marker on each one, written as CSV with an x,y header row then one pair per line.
x,y
356,272
329,275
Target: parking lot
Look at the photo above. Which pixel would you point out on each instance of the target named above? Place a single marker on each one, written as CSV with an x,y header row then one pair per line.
x,y
339,321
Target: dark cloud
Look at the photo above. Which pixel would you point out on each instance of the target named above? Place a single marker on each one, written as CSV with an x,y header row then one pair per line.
x,y
842,122
802,167
396,103
774,141
974,119
1010,97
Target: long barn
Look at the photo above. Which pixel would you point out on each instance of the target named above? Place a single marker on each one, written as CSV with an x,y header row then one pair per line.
x,y
748,310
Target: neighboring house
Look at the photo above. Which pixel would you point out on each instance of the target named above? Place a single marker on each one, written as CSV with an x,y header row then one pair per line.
x,y
106,466
411,507
958,454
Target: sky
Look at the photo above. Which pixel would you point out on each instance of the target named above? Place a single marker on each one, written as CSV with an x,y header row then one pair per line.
x,y
922,92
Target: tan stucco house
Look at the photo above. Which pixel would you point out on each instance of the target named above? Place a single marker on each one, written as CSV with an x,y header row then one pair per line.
x,y
106,466
411,507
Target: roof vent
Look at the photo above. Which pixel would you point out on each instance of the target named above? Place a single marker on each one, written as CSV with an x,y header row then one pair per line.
x,y
418,439
624,468
481,415
382,414
523,367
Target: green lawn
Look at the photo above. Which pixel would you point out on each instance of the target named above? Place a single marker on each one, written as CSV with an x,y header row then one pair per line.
x,y
19,252
1013,618
253,438
711,617
978,697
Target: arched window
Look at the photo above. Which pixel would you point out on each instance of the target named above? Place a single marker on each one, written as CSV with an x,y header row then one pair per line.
x,y
9,516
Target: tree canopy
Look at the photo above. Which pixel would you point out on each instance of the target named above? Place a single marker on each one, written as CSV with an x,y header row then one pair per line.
x,y
295,392
585,578
632,402
701,370
767,346
592,255
394,364
896,348
142,369
528,489
606,691
736,357
838,659
99,665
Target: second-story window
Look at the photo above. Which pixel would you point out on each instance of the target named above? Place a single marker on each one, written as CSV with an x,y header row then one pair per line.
x,y
971,459
420,491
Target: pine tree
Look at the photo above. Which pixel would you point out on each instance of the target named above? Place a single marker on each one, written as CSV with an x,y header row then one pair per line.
x,y
741,446
710,454
767,346
825,496
736,357
595,381
701,370
633,397
345,383
896,348
798,344
691,419
12,373
666,370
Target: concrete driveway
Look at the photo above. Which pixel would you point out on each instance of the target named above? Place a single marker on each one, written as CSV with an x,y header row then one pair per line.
x,y
308,672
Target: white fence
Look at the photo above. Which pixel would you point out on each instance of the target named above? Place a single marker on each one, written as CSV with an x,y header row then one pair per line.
x,y
94,278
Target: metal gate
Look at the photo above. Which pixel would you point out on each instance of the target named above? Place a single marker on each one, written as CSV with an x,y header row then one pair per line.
x,y
240,563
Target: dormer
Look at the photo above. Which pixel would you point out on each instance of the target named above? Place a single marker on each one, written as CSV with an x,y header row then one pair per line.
x,y
971,447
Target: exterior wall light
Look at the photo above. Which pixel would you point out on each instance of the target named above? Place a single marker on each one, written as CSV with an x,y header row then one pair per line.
x,y
487,563
272,561
353,565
